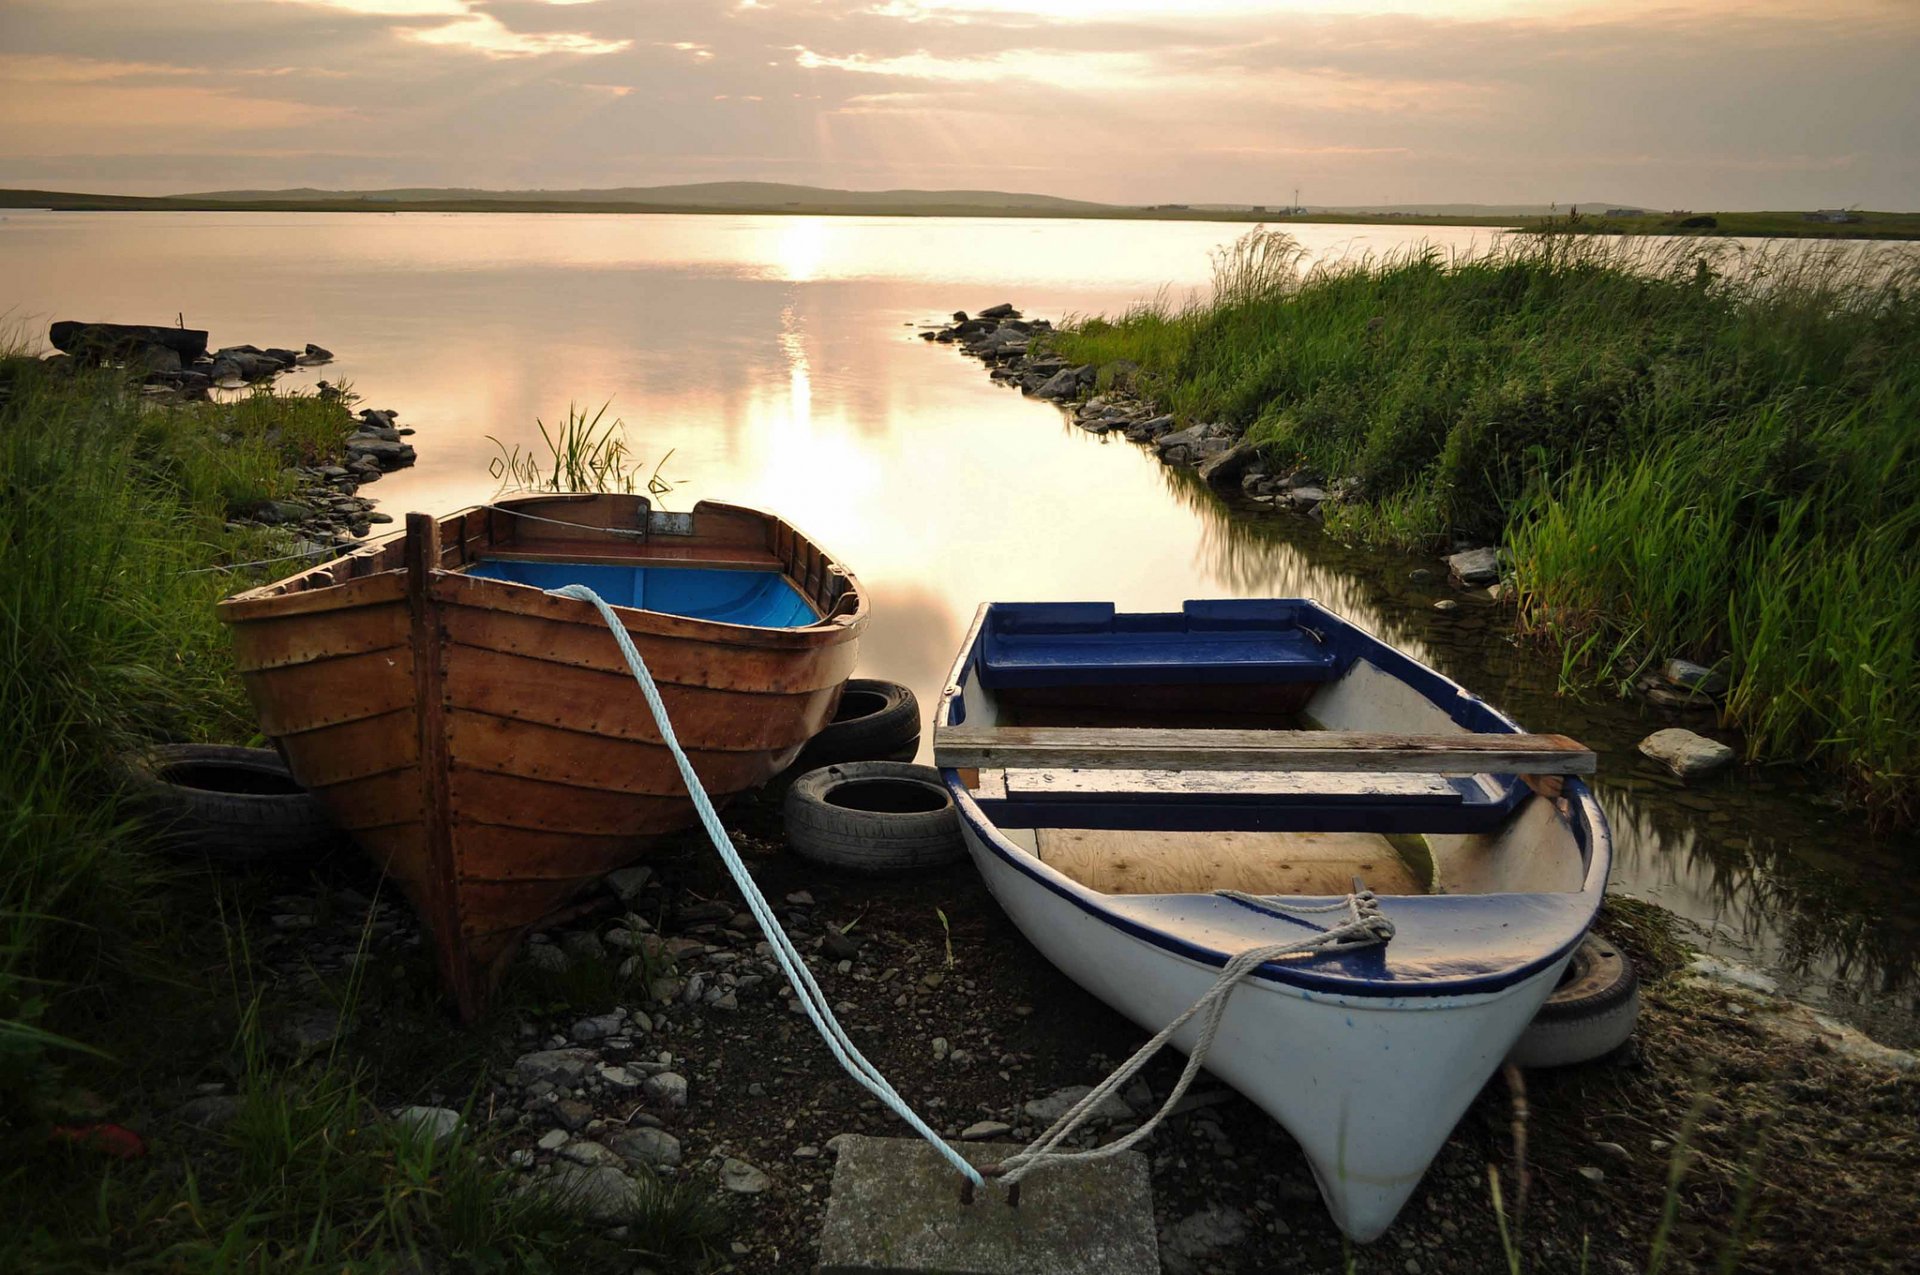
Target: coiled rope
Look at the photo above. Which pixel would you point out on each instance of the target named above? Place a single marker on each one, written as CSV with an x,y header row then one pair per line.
x,y
812,999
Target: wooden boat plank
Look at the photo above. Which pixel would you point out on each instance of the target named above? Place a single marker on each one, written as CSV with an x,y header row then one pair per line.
x,y
275,600
607,702
711,557
376,801
671,658
1162,784
304,697
1163,749
518,801
439,898
506,746
1132,861
353,750
500,853
274,643
507,909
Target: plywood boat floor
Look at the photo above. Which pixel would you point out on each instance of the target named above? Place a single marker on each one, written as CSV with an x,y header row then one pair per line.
x,y
1136,861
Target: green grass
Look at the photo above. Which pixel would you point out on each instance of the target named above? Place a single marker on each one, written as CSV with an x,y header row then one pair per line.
x,y
1689,449
122,973
1750,225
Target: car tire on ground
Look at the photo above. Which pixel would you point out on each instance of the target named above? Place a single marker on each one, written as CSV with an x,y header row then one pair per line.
x,y
873,817
876,721
1590,1014
235,805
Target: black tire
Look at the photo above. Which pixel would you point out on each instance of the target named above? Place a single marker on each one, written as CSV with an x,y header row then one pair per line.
x,y
1590,1014
236,805
876,721
874,817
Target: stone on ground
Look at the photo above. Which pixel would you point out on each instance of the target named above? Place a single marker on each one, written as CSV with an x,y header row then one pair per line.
x,y
896,1207
1110,1109
1684,753
1475,566
1192,1240
441,1124
603,1194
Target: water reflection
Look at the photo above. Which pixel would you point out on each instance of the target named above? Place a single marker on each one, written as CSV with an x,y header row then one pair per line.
x,y
777,357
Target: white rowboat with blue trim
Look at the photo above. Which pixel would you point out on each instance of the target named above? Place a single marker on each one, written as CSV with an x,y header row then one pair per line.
x,y
1135,788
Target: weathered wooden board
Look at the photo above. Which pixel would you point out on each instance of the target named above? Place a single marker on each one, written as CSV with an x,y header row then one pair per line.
x,y
1131,861
1054,747
1228,783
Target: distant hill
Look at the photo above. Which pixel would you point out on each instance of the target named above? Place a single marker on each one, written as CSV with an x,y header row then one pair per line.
x,y
693,194
1439,210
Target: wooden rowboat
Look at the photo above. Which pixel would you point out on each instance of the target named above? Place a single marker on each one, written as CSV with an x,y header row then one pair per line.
x,y
1150,795
483,741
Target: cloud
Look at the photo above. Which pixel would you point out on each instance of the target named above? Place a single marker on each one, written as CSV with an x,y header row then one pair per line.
x,y
484,33
1679,102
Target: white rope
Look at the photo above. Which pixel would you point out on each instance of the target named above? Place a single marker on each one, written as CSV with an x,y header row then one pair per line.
x,y
1365,925
314,552
639,533
812,999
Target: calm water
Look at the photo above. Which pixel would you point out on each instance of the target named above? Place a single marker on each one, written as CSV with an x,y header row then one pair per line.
x,y
776,358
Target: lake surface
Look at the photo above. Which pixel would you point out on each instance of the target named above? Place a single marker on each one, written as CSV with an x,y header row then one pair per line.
x,y
777,360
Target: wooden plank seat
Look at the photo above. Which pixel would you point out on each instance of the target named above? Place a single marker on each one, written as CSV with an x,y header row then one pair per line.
x,y
1134,861
1143,748
1217,786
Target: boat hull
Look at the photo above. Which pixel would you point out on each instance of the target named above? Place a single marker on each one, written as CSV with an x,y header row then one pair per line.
x,y
484,742
1370,1087
1114,866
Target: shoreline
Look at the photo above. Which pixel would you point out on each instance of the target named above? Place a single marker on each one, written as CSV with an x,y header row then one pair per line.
x,y
69,201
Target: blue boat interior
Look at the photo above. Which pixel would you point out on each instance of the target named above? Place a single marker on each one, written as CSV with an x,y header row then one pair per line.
x,y
1253,661
764,599
1084,644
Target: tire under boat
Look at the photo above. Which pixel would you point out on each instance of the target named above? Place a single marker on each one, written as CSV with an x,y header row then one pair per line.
x,y
483,741
1109,864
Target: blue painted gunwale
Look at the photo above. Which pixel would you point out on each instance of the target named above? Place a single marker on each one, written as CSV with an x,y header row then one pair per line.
x,y
1444,945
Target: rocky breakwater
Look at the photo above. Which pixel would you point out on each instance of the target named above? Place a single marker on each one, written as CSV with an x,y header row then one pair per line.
x,y
174,361
325,510
1106,399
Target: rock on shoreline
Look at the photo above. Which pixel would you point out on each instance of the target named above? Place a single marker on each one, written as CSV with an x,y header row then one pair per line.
x,y
325,511
174,361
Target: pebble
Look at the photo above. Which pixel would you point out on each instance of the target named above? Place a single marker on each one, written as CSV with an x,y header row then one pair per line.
x,y
604,1194
1056,1104
742,1178
556,1066
669,1087
653,1148
552,1140
590,1154
1591,1174
981,1130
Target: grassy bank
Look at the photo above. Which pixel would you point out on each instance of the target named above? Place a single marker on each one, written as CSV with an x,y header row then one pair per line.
x,y
131,985
1749,225
1687,450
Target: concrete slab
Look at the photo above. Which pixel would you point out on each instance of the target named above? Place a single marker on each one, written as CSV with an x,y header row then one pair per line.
x,y
896,1208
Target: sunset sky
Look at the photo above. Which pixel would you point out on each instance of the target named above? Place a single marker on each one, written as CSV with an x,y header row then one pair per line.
x,y
1673,103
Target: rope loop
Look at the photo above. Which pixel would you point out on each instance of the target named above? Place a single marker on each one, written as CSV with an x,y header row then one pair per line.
x,y
1365,925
